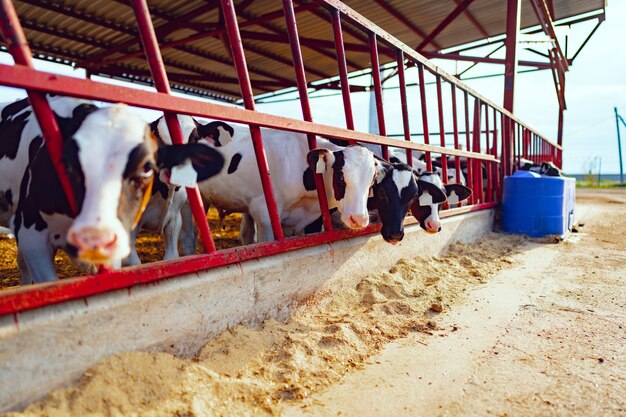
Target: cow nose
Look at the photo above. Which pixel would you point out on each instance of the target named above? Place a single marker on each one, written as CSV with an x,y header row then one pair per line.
x,y
358,221
93,242
432,227
394,238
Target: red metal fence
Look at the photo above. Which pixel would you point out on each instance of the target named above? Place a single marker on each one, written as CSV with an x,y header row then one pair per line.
x,y
493,139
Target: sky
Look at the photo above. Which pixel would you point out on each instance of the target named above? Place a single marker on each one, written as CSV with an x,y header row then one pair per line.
x,y
596,83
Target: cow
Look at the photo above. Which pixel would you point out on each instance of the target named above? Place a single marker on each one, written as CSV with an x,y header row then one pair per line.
x,y
168,212
348,174
110,157
425,211
396,188
545,168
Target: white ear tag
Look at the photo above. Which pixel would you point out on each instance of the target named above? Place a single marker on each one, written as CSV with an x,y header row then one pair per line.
x,y
224,137
184,175
426,199
371,194
453,198
320,167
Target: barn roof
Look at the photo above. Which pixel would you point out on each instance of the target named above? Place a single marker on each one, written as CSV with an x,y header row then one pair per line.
x,y
101,36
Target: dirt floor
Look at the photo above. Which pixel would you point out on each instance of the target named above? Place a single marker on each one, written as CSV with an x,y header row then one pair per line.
x,y
149,248
505,327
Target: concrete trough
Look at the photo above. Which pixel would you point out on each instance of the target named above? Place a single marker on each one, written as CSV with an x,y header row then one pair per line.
x,y
49,347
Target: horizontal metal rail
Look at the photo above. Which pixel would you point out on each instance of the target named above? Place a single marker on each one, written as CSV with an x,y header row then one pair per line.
x,y
23,77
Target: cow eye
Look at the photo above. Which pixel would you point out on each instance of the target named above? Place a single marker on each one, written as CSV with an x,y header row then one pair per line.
x,y
145,173
148,169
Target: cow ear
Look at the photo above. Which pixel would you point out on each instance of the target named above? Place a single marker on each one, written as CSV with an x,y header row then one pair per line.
x,y
205,160
457,193
430,193
221,133
383,168
320,160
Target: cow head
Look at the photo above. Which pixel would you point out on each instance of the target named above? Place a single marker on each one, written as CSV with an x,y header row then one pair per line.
x,y
394,191
549,169
111,160
432,193
349,173
217,133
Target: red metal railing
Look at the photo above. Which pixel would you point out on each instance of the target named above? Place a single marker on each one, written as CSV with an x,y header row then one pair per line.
x,y
506,138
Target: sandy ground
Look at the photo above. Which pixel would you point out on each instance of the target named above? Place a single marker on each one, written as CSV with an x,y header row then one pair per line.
x,y
505,327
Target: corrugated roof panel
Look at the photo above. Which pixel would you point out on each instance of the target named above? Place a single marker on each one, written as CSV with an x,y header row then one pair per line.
x,y
83,29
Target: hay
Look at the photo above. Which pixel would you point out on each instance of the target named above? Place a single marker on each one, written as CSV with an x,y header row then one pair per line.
x,y
149,248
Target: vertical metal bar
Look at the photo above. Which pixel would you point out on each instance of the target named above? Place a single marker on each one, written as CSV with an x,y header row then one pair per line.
x,y
20,51
510,71
559,134
496,172
470,161
513,14
298,63
378,91
513,143
420,70
478,174
403,104
239,59
455,126
157,69
343,68
488,166
442,131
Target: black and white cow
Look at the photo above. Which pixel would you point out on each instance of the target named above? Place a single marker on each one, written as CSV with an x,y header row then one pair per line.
x,y
168,212
425,211
348,174
110,157
545,168
396,189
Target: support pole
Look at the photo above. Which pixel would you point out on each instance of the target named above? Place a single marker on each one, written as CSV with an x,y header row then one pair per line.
x,y
619,147
239,58
510,71
378,91
298,63
343,68
161,82
20,51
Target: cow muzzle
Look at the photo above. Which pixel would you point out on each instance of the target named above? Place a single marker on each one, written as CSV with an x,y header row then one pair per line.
x,y
393,238
95,245
432,227
357,221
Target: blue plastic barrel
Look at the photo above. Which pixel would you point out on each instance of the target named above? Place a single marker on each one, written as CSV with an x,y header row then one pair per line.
x,y
536,205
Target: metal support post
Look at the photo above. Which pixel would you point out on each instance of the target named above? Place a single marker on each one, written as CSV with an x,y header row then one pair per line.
x,y
151,47
239,59
298,62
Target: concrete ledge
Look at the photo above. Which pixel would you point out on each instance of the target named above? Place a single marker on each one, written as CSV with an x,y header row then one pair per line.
x,y
49,347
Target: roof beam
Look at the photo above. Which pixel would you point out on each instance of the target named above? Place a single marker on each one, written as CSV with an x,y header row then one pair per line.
x,y
461,7
284,34
402,19
543,14
160,31
459,57
474,21
309,42
127,30
180,44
